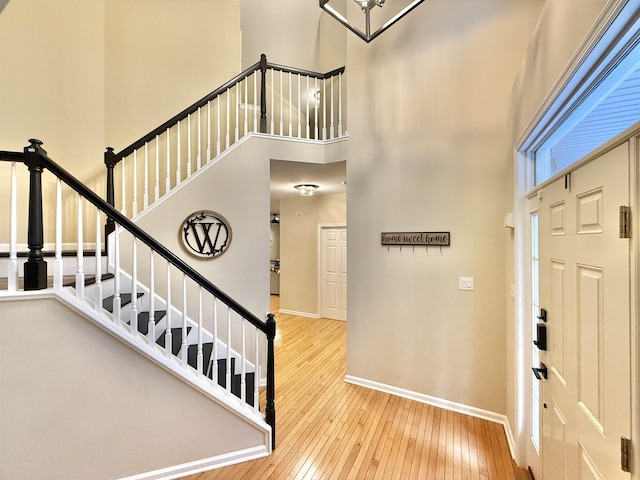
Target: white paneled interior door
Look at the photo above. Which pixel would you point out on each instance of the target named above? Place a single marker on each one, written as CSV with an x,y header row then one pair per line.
x,y
585,288
333,274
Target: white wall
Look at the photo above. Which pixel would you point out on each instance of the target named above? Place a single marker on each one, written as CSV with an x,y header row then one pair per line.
x,y
78,403
430,152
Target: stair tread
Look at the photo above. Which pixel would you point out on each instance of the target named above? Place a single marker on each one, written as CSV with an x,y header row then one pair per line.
x,y
143,320
176,332
125,298
70,280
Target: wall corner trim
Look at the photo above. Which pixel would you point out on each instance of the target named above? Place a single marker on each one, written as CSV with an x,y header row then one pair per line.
x,y
299,314
203,465
440,403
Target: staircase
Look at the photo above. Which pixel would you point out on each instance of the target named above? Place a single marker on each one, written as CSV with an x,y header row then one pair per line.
x,y
213,367
150,299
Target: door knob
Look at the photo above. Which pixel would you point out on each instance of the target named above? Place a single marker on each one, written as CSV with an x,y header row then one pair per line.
x,y
540,371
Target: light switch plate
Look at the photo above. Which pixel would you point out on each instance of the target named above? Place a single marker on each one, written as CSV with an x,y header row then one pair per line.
x,y
465,283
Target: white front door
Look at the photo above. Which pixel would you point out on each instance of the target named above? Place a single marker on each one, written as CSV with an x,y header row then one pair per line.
x,y
584,278
333,276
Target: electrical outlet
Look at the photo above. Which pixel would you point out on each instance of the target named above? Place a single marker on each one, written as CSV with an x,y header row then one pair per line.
x,y
465,283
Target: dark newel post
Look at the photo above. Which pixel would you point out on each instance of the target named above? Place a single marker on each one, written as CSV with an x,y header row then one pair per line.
x,y
270,408
263,93
110,161
35,268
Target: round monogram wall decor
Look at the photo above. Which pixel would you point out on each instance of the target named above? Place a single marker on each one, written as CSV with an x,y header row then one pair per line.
x,y
205,234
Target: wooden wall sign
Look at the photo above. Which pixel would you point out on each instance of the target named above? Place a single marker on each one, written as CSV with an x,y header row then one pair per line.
x,y
436,239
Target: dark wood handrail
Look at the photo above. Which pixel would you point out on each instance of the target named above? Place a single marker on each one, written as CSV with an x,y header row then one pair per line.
x,y
136,231
306,73
187,111
36,158
262,65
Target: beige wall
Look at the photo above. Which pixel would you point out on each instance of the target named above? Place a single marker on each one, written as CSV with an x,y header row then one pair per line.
x,y
161,57
556,39
97,408
299,220
52,86
237,187
430,152
320,42
89,74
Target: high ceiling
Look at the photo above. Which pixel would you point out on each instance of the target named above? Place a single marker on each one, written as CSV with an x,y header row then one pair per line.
x,y
330,177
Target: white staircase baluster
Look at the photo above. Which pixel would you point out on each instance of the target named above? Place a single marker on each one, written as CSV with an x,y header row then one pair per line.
x,y
331,128
324,109
178,172
145,195
183,345
290,114
97,291
199,358
246,106
237,102
213,362
218,126
12,268
199,153
308,122
340,104
255,102
156,187
316,94
123,207
228,372
167,187
273,105
243,369
299,124
281,112
116,274
80,254
133,319
188,146
256,376
134,203
151,330
228,117
58,265
167,333
209,130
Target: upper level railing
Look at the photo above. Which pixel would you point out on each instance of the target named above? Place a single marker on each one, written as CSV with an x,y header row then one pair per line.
x,y
210,302
265,98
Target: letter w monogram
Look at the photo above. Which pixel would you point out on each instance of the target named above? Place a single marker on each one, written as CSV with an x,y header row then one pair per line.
x,y
203,236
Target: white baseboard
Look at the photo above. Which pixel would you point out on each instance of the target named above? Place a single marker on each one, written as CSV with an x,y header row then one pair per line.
x,y
440,403
299,314
203,465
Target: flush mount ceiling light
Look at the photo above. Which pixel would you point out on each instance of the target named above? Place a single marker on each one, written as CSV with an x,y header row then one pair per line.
x,y
306,189
366,6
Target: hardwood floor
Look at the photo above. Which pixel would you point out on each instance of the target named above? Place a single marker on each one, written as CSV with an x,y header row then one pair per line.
x,y
329,429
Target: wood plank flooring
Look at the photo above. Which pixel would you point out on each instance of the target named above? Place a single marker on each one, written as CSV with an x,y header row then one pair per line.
x,y
329,429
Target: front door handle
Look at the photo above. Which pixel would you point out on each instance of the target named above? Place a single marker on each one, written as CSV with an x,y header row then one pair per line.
x,y
540,371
